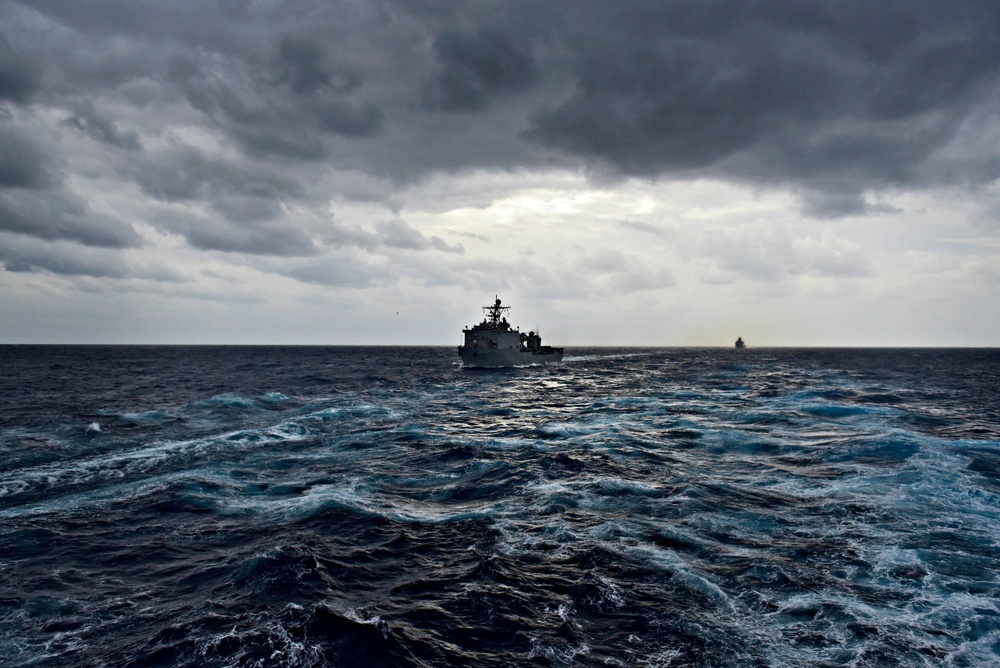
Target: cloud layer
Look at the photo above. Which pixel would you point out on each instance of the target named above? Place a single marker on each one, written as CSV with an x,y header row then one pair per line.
x,y
286,134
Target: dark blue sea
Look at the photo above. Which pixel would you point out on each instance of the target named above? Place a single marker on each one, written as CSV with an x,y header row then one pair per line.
x,y
353,506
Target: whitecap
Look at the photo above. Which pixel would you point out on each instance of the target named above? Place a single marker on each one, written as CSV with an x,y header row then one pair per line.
x,y
681,571
559,654
226,400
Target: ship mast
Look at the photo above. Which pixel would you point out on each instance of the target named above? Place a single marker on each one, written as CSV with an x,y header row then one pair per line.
x,y
494,313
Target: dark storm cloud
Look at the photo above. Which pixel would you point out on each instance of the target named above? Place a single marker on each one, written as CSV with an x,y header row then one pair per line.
x,y
857,94
833,101
22,162
348,121
183,173
17,74
478,66
299,65
283,103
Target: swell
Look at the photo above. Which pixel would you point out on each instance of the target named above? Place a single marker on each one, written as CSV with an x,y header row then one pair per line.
x,y
627,507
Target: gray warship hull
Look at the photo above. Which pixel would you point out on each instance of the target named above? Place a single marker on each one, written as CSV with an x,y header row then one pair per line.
x,y
495,359
494,344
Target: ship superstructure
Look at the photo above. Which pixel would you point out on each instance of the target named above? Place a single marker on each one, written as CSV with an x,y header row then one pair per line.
x,y
494,343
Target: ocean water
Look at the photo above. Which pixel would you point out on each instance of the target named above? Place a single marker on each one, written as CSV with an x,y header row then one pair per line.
x,y
311,506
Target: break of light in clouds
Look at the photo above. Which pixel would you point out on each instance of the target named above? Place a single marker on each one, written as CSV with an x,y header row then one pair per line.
x,y
646,173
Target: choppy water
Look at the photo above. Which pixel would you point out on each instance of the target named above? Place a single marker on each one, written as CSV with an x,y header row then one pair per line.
x,y
381,506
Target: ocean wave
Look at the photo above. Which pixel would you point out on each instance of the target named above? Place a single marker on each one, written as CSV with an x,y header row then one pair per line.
x,y
644,507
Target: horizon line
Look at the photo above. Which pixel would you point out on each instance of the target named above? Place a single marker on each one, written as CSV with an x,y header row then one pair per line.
x,y
585,346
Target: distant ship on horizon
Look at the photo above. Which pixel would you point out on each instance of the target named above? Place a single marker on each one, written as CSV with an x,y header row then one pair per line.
x,y
493,343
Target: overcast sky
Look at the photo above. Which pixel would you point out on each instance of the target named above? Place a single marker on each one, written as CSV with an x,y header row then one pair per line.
x,y
621,173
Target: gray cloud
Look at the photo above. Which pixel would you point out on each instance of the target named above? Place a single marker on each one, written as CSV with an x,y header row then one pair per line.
x,y
649,228
393,233
246,209
475,67
760,251
246,107
183,173
283,103
53,215
622,274
19,254
300,65
92,124
831,259
33,202
770,252
834,203
255,237
18,77
861,94
340,235
397,233
340,270
22,162
286,237
243,239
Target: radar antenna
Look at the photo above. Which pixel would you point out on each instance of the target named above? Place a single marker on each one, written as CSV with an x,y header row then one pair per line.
x,y
495,312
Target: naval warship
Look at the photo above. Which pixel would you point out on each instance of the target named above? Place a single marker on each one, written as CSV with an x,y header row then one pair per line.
x,y
494,343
